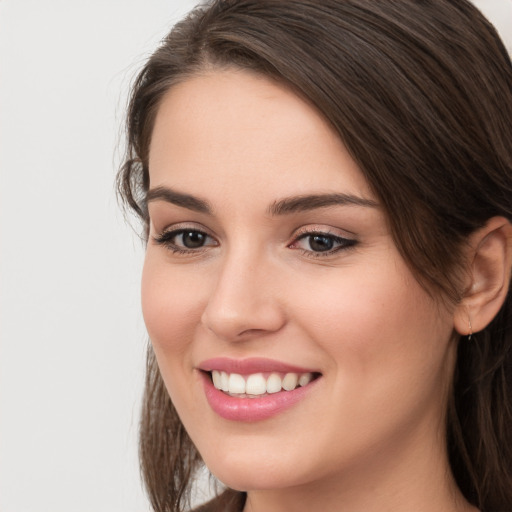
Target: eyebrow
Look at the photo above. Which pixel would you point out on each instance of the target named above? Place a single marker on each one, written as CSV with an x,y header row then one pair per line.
x,y
179,199
312,202
282,207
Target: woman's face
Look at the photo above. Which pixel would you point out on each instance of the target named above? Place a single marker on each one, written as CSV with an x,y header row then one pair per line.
x,y
270,261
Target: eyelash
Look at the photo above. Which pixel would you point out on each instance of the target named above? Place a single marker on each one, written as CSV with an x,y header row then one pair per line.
x,y
343,243
166,239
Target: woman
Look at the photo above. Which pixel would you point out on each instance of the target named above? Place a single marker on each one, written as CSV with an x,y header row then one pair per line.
x,y
326,190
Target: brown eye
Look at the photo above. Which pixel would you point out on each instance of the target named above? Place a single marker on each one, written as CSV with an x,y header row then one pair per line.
x,y
320,243
192,239
185,240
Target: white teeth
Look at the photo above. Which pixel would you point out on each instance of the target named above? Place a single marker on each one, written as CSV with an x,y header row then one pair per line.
x,y
236,383
290,381
305,379
224,381
274,383
217,381
255,384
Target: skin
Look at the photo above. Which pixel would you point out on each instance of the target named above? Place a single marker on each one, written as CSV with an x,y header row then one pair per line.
x,y
370,436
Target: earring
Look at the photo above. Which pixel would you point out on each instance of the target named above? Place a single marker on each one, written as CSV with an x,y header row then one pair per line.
x,y
470,330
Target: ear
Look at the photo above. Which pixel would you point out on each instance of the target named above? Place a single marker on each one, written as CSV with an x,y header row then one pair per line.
x,y
488,276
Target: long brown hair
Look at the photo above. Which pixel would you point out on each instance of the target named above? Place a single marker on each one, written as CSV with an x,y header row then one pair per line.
x,y
420,93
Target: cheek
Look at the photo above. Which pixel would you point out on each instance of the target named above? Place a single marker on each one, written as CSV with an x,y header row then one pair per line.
x,y
381,329
171,305
389,363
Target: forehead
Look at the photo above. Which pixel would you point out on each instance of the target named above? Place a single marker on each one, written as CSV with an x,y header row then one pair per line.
x,y
234,126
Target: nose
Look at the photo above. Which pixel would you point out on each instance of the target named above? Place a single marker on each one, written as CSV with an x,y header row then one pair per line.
x,y
244,301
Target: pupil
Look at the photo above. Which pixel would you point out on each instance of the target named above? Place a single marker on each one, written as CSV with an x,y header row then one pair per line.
x,y
193,239
321,243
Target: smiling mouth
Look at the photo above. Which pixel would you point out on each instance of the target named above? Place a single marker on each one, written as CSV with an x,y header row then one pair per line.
x,y
257,385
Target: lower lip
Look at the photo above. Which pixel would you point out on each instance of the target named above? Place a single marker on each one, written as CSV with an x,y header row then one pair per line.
x,y
252,409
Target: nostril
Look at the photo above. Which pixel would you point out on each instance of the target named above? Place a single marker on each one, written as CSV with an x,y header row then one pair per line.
x,y
241,313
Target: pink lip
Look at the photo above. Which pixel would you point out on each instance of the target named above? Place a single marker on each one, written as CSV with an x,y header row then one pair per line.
x,y
251,365
251,409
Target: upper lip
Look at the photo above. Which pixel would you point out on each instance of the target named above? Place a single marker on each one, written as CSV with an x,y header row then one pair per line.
x,y
250,365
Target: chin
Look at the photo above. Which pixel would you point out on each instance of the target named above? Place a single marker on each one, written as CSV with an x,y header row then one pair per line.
x,y
249,479
243,472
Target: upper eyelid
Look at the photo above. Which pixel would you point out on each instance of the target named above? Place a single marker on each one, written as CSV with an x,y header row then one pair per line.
x,y
180,230
302,231
183,226
338,238
312,229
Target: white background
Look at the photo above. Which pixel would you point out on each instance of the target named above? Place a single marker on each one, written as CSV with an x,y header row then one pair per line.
x,y
72,337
